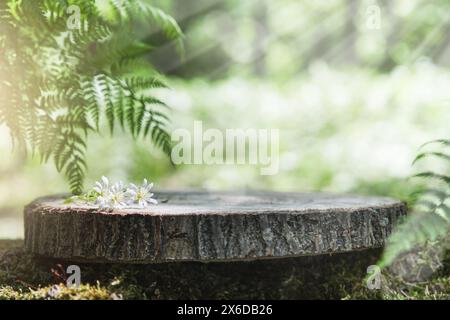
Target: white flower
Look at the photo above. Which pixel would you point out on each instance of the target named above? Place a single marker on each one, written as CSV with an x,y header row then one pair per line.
x,y
102,188
141,195
118,196
103,192
110,196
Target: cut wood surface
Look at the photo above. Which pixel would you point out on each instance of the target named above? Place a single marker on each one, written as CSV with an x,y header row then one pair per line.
x,y
211,226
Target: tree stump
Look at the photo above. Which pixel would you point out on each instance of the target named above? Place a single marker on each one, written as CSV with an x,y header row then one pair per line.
x,y
211,226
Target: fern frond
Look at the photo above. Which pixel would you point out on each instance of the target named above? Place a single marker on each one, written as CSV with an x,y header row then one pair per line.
x,y
145,83
418,229
439,194
130,114
432,175
431,218
62,81
424,155
157,129
445,142
69,156
168,24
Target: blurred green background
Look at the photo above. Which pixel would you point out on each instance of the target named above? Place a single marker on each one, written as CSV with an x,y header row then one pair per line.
x,y
353,99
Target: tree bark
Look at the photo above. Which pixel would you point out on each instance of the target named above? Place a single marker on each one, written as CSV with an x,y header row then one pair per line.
x,y
197,226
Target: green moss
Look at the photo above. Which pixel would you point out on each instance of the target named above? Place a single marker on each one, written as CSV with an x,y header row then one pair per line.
x,y
58,292
437,288
340,276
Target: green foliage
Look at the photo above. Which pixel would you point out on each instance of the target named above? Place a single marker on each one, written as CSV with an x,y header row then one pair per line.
x,y
57,82
430,220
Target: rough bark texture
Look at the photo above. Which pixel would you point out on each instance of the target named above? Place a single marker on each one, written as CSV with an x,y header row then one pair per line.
x,y
200,226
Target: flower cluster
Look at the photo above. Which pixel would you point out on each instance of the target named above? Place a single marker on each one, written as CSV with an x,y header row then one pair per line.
x,y
117,195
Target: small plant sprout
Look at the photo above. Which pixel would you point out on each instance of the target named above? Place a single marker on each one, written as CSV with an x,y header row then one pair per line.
x,y
104,194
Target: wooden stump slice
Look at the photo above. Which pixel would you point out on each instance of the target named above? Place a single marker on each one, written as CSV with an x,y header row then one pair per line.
x,y
211,226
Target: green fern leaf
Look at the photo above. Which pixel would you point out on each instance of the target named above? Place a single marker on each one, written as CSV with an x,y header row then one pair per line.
x,y
431,218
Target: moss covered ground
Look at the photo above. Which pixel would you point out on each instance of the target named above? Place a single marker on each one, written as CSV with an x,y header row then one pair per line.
x,y
341,276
